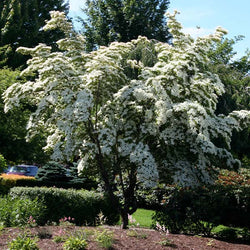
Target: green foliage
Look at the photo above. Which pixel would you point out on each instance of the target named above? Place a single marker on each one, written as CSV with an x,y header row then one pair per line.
x,y
234,74
200,210
62,235
240,178
2,163
123,20
13,144
84,206
6,184
17,212
167,243
137,234
104,238
21,23
232,233
52,171
227,233
23,242
151,198
55,174
5,53
86,179
75,243
59,238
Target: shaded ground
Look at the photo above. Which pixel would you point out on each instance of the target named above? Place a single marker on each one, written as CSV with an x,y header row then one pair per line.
x,y
144,239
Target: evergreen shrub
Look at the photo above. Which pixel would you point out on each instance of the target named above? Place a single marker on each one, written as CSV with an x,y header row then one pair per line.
x,y
52,172
55,174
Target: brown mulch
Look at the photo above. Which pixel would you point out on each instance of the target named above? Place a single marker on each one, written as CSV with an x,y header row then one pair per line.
x,y
133,238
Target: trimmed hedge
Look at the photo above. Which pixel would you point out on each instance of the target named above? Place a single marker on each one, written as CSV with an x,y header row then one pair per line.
x,y
7,184
200,209
82,205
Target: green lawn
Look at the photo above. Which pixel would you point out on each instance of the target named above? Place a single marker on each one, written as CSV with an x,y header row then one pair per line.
x,y
143,217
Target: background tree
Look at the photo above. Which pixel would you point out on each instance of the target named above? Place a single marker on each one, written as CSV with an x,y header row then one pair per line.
x,y
2,164
130,119
13,144
234,74
20,25
124,20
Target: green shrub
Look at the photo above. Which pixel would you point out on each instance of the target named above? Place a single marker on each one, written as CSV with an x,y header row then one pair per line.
x,y
17,212
199,210
104,238
84,206
153,198
137,234
23,242
227,234
6,185
75,243
240,178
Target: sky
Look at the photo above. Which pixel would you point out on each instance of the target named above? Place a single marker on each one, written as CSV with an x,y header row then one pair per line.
x,y
232,15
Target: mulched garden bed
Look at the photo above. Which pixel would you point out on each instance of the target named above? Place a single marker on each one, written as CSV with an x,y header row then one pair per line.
x,y
134,238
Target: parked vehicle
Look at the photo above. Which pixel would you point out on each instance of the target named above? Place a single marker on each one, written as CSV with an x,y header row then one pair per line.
x,y
27,170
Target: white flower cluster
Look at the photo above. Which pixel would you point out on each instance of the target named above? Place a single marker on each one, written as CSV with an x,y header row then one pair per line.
x,y
147,170
82,105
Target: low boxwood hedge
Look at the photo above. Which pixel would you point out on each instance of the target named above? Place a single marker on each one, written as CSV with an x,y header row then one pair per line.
x,y
82,205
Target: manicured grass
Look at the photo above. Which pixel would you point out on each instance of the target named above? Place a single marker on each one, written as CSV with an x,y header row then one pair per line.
x,y
143,217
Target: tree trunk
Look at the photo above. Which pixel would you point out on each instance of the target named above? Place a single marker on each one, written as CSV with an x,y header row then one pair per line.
x,y
124,215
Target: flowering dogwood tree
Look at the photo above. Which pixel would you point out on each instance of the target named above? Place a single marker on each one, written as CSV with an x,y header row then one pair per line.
x,y
130,118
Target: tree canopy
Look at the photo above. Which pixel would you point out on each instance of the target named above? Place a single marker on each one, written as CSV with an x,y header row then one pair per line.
x,y
124,20
13,132
20,25
234,74
131,118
